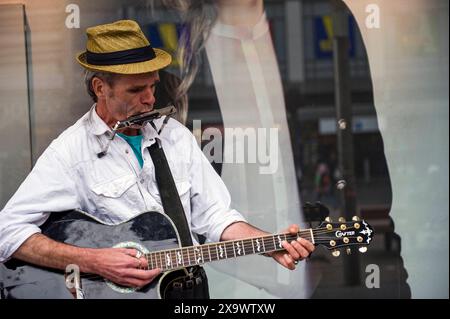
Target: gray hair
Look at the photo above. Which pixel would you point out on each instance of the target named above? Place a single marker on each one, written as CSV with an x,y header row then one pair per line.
x,y
89,75
199,16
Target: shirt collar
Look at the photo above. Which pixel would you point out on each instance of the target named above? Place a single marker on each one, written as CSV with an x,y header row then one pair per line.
x,y
98,127
242,32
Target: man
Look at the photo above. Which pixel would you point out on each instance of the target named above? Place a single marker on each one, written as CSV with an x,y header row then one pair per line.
x,y
71,174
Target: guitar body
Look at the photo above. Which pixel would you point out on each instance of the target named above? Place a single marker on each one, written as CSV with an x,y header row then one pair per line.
x,y
147,232
155,235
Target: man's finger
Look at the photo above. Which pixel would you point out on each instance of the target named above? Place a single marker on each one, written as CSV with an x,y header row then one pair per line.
x,y
293,229
289,261
306,244
300,249
142,263
142,274
291,250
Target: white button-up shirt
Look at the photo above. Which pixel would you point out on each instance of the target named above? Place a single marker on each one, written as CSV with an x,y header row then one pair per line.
x,y
114,188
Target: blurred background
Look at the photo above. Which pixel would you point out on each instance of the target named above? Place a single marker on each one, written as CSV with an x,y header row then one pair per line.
x,y
365,90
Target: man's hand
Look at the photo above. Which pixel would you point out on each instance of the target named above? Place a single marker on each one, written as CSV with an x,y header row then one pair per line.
x,y
296,250
118,265
122,266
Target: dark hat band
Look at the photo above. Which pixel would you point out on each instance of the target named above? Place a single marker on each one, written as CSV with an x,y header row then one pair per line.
x,y
121,57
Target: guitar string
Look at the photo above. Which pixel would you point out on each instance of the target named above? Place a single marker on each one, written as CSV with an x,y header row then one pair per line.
x,y
269,238
248,249
226,245
228,250
164,268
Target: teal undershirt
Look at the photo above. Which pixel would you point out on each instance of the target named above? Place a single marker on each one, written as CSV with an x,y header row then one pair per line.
x,y
135,142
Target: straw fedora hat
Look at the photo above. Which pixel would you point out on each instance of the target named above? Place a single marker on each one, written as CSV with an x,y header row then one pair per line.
x,y
121,47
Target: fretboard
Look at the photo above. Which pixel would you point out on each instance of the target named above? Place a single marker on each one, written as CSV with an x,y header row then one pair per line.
x,y
171,259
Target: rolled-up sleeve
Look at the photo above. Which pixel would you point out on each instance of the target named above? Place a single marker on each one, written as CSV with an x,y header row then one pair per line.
x,y
210,199
48,188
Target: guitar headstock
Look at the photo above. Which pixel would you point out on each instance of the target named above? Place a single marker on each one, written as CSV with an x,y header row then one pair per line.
x,y
357,233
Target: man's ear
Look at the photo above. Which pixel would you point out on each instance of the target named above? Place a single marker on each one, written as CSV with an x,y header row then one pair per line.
x,y
99,87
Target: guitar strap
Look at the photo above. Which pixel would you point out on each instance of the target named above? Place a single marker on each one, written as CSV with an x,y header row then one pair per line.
x,y
169,195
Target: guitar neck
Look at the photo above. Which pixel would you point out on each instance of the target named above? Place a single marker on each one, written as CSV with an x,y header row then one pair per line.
x,y
171,259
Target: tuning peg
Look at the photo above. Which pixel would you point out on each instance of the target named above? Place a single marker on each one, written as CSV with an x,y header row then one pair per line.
x,y
348,250
341,219
362,249
355,219
335,253
328,219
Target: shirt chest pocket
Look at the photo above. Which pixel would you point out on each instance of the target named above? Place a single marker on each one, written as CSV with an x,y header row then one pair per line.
x,y
120,197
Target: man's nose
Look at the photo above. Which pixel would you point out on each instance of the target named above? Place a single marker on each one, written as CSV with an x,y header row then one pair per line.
x,y
148,99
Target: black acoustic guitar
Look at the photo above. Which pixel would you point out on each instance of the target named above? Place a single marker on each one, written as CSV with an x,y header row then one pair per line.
x,y
155,236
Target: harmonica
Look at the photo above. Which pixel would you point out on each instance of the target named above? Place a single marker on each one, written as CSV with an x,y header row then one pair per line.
x,y
144,118
138,120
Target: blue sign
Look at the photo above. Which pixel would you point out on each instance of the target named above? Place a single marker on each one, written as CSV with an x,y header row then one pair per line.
x,y
323,37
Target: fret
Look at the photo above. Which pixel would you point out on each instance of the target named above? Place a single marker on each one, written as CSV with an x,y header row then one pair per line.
x,y
312,236
253,245
223,251
197,255
180,259
234,251
201,252
189,257
258,245
150,263
164,259
248,247
268,243
209,253
217,252
160,261
264,246
176,261
274,243
194,262
279,241
243,246
173,258
239,249
168,259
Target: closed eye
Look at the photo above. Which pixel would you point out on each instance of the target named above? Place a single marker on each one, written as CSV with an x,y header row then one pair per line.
x,y
136,89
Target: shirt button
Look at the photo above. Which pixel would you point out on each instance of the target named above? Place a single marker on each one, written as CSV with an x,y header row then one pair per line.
x,y
142,181
126,151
